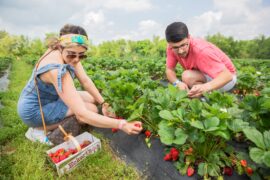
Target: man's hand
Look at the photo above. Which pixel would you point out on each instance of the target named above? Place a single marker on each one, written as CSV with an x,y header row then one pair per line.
x,y
198,90
183,86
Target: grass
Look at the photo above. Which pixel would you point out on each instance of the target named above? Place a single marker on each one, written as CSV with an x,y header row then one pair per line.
x,y
22,159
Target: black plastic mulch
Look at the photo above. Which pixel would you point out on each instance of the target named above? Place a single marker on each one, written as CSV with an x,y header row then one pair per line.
x,y
149,161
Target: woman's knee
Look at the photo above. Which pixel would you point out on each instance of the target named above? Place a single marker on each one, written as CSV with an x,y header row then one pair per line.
x,y
89,106
86,97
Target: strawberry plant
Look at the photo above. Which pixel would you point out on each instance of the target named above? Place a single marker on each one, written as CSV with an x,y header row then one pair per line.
x,y
256,111
260,153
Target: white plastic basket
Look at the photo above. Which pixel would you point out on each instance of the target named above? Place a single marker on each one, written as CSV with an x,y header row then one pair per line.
x,y
72,161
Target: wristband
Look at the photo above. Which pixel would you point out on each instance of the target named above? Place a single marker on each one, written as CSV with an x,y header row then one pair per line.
x,y
176,82
121,124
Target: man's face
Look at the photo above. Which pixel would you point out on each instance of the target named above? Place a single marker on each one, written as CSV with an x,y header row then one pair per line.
x,y
180,48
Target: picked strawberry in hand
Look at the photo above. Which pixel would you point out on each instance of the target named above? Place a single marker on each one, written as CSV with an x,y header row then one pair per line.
x,y
137,125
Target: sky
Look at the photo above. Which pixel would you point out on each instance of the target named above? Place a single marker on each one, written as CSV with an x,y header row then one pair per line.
x,y
106,20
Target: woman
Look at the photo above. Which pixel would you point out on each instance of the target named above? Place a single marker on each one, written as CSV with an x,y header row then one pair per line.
x,y
52,81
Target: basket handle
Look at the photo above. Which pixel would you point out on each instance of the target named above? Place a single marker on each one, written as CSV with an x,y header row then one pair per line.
x,y
68,136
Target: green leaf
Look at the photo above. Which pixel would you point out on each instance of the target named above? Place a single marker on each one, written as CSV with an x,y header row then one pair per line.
x,y
225,134
197,124
256,155
213,169
183,169
181,137
196,106
165,114
166,133
201,169
211,129
255,136
266,136
180,113
137,113
211,122
180,95
237,125
266,158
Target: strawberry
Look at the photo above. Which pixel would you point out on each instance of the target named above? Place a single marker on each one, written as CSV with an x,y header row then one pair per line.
x,y
249,171
55,159
188,151
114,130
67,154
168,157
147,133
227,171
190,171
137,125
174,153
59,152
62,157
86,142
256,93
243,163
173,150
51,154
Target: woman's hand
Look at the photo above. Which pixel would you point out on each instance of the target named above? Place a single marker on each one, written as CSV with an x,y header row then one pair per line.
x,y
107,110
134,127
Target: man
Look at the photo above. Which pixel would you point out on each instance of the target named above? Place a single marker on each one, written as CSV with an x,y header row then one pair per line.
x,y
206,67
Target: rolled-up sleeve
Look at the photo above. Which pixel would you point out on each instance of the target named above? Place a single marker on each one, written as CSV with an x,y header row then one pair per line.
x,y
63,69
171,60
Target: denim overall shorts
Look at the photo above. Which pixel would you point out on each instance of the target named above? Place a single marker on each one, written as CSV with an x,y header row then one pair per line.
x,y
54,109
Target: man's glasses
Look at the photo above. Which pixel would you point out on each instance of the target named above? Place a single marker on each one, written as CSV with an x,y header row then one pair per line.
x,y
73,55
182,47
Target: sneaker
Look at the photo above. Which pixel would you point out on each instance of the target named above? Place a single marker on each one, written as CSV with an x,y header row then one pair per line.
x,y
37,135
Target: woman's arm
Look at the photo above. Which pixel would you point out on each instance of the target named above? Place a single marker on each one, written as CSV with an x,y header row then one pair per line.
x,y
73,100
87,83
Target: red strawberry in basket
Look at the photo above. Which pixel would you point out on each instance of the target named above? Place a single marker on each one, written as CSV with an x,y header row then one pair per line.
x,y
55,159
62,157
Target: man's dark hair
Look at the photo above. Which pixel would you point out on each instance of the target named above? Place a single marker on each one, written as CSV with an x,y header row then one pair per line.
x,y
176,32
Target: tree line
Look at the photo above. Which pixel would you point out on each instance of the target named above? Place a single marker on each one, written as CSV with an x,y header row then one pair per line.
x,y
257,48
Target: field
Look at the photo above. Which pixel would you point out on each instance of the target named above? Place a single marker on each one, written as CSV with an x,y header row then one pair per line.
x,y
200,136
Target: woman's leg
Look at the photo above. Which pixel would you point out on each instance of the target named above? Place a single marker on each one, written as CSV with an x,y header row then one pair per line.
x,y
89,104
88,101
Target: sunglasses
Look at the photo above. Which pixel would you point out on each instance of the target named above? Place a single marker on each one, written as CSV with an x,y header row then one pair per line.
x,y
73,55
